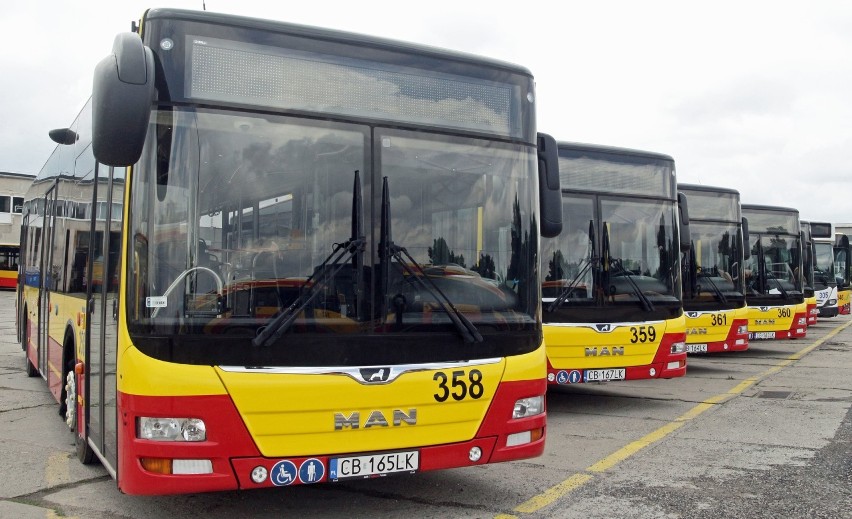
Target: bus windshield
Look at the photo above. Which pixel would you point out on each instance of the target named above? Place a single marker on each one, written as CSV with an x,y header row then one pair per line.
x,y
626,262
773,269
716,261
236,216
824,271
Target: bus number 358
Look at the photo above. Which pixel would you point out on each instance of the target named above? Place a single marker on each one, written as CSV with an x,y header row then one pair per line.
x,y
463,384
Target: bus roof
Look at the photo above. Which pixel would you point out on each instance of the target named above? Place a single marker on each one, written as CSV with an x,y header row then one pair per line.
x,y
614,150
328,34
757,207
709,189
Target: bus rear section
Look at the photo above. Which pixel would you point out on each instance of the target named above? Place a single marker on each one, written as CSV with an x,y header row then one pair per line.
x,y
774,280
612,292
713,271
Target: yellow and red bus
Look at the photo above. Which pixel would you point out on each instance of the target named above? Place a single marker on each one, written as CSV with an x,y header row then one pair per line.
x,y
10,255
714,271
808,284
843,271
774,273
287,255
612,287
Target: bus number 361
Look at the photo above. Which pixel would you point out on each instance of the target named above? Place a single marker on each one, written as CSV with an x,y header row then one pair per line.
x,y
463,384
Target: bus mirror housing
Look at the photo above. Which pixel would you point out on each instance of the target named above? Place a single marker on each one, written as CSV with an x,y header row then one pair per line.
x,y
122,93
64,136
549,190
746,249
683,223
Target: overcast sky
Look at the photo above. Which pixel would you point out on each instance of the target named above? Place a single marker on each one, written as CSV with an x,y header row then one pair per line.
x,y
750,95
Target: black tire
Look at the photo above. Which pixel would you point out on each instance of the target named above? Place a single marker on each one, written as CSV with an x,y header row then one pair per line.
x,y
31,370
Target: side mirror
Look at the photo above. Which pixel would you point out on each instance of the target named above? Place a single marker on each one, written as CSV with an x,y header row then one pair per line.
x,y
746,248
549,191
64,136
683,223
122,93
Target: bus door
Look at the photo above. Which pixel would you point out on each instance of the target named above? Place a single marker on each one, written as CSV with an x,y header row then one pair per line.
x,y
102,336
46,280
20,318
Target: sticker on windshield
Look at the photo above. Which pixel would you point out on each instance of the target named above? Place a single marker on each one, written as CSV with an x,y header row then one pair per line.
x,y
155,302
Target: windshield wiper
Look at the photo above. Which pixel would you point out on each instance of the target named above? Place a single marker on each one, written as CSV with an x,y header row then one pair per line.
x,y
587,263
388,250
780,287
718,292
646,303
341,252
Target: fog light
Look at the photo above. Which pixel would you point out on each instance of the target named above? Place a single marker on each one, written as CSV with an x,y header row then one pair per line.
x,y
259,474
679,347
673,365
740,342
474,454
653,372
520,438
192,467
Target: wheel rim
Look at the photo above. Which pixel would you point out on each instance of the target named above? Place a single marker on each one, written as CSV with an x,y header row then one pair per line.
x,y
71,400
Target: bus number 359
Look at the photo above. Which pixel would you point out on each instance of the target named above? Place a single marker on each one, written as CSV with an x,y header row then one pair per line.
x,y
642,334
463,384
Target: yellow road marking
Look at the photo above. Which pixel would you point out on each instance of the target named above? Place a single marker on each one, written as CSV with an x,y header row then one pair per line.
x,y
577,480
552,494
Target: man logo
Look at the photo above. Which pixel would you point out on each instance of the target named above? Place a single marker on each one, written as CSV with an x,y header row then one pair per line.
x,y
764,308
692,315
607,327
377,375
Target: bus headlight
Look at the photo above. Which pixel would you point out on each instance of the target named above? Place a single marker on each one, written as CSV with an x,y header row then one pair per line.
x,y
528,407
171,429
803,321
832,302
742,329
678,347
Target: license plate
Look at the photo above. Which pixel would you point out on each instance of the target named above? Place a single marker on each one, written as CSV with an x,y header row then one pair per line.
x,y
595,375
373,465
696,348
761,335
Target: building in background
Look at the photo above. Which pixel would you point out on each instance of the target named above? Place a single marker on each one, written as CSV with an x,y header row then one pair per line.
x,y
12,189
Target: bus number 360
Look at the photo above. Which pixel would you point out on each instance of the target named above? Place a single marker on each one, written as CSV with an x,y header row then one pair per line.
x,y
463,384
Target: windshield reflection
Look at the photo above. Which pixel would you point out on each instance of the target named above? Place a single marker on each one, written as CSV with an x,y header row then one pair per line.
x,y
239,214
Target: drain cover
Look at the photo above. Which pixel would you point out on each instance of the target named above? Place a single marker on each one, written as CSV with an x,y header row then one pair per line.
x,y
775,394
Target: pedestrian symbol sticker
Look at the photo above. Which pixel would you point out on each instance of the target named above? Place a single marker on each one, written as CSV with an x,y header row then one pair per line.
x,y
283,473
311,471
572,377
